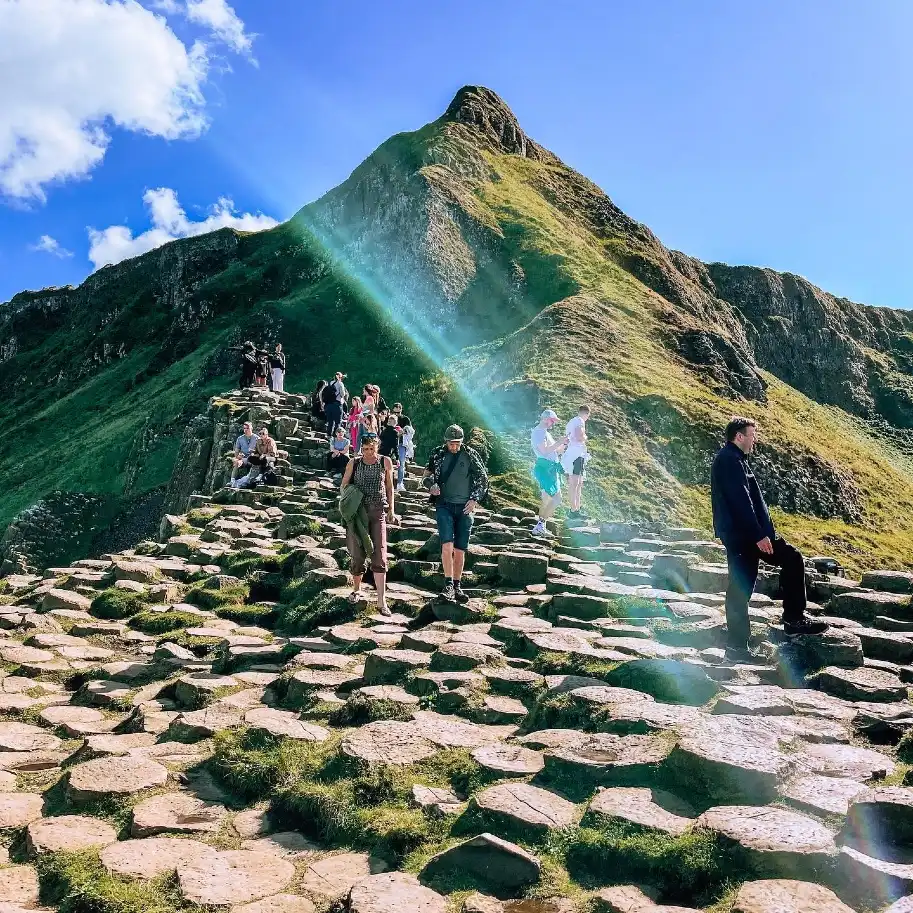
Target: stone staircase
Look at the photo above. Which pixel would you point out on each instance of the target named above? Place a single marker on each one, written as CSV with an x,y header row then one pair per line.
x,y
206,722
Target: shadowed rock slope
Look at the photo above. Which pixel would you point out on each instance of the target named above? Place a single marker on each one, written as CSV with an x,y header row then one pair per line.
x,y
470,270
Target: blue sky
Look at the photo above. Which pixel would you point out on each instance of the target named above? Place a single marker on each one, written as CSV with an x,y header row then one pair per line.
x,y
773,133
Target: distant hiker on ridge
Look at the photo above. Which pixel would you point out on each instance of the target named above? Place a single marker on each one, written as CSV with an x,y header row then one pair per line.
x,y
248,363
458,481
742,521
277,366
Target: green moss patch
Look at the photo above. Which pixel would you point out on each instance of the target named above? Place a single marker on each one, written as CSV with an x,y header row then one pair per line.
x,y
162,622
115,604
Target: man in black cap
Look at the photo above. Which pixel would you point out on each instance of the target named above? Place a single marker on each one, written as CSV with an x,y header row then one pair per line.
x,y
742,521
458,481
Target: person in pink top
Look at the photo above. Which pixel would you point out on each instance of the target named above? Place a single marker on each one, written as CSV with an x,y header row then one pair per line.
x,y
354,416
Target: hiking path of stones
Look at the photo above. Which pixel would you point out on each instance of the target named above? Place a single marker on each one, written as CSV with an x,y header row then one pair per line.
x,y
582,696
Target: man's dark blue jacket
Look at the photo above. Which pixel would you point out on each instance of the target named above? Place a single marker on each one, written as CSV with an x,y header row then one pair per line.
x,y
740,516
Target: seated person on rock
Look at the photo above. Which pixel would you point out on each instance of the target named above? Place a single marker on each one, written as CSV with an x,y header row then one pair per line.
x,y
244,446
742,521
262,458
340,448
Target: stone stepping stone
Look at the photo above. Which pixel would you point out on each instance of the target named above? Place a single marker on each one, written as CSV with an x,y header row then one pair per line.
x,y
449,732
652,809
822,795
77,721
283,723
178,813
494,863
286,843
101,746
499,709
773,839
252,822
393,693
426,641
846,761
519,805
610,760
388,742
759,701
278,903
68,834
25,737
437,800
462,657
19,809
119,776
234,877
323,661
16,702
200,688
512,682
394,892
390,667
884,810
860,684
304,683
629,898
19,885
32,761
786,896
334,876
205,723
152,856
505,760
880,877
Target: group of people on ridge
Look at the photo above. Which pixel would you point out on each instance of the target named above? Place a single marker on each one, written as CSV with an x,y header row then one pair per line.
x,y
260,368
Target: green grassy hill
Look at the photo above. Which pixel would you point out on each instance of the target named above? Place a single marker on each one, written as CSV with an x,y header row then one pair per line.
x,y
473,275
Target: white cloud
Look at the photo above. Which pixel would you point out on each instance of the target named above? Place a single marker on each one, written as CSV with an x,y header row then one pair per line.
x,y
70,69
48,245
224,22
169,221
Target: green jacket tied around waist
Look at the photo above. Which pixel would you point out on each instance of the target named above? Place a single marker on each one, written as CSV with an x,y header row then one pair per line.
x,y
355,516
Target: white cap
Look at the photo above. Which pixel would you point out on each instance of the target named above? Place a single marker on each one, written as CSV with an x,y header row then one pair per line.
x,y
548,413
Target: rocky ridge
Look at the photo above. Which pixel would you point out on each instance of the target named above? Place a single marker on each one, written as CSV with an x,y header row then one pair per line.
x,y
206,720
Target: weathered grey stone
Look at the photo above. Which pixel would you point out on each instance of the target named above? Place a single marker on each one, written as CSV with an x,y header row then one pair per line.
x,y
394,892
610,760
334,876
651,809
67,834
388,742
234,877
178,813
505,760
119,776
860,684
786,896
822,795
494,863
521,807
152,856
19,809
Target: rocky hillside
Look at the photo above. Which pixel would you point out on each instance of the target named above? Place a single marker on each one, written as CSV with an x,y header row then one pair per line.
x,y
204,723
468,269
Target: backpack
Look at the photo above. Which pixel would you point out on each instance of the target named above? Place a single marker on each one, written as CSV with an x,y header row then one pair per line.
x,y
328,395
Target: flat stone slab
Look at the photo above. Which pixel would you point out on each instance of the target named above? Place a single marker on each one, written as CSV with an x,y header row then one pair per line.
x,y
278,903
388,667
19,885
631,760
25,737
286,843
234,877
494,863
777,895
883,810
284,723
822,795
77,721
115,775
68,834
505,760
333,876
394,892
450,732
179,813
652,809
150,857
205,723
19,809
388,742
435,799
863,684
107,745
519,805
773,837
846,761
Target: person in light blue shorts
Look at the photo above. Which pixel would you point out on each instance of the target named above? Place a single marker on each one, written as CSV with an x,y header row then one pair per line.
x,y
547,469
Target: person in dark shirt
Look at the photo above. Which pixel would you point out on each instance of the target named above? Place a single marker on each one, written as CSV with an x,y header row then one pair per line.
x,y
389,438
742,521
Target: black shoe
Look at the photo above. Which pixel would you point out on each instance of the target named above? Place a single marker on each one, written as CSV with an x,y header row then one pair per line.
x,y
460,595
805,626
744,655
449,592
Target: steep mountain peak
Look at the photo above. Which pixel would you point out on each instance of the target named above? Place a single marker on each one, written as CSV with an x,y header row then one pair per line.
x,y
486,112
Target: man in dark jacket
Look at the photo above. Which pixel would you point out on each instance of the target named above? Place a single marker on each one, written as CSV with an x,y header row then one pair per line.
x,y
742,521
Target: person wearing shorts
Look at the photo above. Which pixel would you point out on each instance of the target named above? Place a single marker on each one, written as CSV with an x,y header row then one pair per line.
x,y
547,469
574,460
458,481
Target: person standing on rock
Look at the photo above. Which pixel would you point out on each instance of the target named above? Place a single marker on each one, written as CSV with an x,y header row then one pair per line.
x,y
342,395
458,482
332,407
574,460
372,474
742,522
248,365
547,468
277,366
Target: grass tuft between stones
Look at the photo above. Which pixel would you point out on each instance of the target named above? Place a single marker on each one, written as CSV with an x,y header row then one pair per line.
x,y
116,604
163,622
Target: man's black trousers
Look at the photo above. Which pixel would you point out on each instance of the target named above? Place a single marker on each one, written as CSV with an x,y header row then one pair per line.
x,y
743,573
333,413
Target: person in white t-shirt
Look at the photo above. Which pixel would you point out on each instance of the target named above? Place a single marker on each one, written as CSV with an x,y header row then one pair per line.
x,y
574,460
547,469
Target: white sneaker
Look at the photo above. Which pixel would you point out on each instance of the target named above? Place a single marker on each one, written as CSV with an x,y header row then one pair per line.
x,y
400,488
539,530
